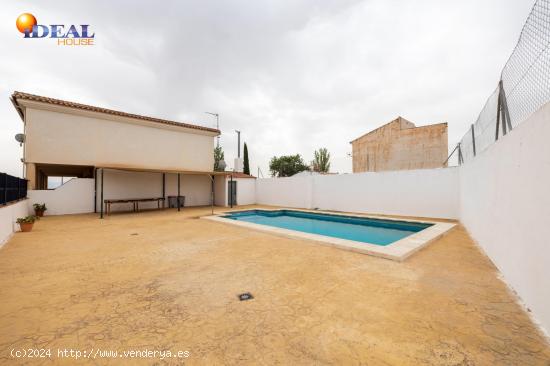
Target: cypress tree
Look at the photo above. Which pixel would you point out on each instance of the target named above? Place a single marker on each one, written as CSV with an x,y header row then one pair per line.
x,y
246,165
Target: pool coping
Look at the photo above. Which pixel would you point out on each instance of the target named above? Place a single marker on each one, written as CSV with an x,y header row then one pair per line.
x,y
398,250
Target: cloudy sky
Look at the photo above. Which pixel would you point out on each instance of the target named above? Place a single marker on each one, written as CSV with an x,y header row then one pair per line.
x,y
293,75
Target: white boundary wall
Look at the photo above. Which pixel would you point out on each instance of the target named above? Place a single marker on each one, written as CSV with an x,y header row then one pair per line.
x,y
423,193
74,197
246,191
8,217
287,192
505,206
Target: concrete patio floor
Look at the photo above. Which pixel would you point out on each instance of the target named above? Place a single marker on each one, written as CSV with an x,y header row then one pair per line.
x,y
169,281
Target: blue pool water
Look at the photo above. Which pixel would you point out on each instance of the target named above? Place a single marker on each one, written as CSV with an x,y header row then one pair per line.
x,y
367,230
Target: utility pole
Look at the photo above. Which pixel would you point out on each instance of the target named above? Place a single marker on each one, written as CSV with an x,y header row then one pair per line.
x,y
217,126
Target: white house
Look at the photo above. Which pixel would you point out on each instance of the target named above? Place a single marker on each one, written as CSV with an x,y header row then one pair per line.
x,y
114,155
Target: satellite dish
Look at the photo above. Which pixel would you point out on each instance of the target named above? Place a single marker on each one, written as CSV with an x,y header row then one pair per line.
x,y
20,137
222,165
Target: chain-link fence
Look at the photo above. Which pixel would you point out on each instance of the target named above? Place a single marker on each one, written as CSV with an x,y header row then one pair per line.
x,y
524,86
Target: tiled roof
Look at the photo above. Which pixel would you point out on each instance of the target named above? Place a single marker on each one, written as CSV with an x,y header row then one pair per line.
x,y
37,98
240,175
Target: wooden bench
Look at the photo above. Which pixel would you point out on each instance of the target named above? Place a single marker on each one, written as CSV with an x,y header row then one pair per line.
x,y
135,202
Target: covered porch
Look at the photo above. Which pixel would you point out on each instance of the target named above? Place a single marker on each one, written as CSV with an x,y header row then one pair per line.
x,y
122,188
107,189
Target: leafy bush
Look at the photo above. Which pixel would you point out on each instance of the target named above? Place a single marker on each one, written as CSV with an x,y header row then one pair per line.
x,y
218,158
39,207
321,161
28,219
287,166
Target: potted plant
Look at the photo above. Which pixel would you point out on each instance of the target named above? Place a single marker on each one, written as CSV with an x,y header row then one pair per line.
x,y
26,223
39,209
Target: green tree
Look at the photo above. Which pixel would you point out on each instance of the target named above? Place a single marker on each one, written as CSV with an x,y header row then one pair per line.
x,y
321,161
287,165
218,157
246,165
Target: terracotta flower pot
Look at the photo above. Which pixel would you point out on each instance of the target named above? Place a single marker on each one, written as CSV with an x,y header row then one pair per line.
x,y
39,213
26,226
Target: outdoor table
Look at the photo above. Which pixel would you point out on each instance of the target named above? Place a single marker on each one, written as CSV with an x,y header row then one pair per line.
x,y
134,201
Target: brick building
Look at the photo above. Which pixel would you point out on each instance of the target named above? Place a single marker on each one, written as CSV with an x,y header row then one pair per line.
x,y
400,145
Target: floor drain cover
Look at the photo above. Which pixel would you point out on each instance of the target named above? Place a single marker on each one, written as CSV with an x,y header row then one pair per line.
x,y
245,296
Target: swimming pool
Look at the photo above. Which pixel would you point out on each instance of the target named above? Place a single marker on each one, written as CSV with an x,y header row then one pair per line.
x,y
359,229
388,238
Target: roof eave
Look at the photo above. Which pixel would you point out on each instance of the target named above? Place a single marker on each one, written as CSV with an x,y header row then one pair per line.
x,y
17,108
64,104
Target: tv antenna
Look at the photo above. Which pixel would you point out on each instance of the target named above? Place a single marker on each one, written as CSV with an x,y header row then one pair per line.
x,y
217,125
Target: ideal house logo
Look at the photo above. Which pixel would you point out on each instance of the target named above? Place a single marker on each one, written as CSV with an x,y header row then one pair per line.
x,y
73,35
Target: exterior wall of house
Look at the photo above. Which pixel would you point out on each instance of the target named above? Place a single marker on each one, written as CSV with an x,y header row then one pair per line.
x,y
220,191
197,189
77,195
505,206
246,191
399,145
95,139
8,217
426,192
119,184
124,184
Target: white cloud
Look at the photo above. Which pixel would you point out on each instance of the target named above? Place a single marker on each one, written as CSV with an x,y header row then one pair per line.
x,y
291,75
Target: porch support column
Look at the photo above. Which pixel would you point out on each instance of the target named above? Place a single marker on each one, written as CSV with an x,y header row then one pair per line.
x,y
212,194
178,199
95,190
163,189
102,175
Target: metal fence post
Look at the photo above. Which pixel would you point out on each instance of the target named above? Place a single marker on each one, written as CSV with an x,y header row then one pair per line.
x,y
460,157
451,154
502,112
473,140
498,115
506,122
